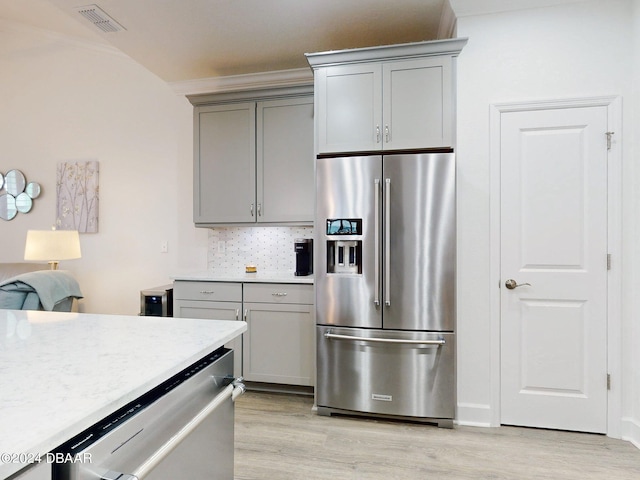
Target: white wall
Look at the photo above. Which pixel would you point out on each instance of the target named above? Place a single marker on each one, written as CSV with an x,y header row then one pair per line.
x,y
66,101
578,50
631,406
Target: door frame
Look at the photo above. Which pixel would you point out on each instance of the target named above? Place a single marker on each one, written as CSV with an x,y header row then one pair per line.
x,y
614,243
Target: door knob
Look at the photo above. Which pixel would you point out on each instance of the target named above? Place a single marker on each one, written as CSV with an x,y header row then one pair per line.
x,y
511,284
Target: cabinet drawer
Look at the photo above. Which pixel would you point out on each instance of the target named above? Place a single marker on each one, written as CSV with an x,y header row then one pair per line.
x,y
212,291
278,293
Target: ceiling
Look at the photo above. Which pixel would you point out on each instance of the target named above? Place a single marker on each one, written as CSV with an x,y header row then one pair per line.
x,y
181,40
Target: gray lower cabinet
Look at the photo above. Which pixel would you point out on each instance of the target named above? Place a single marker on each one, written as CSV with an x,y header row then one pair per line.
x,y
211,300
279,344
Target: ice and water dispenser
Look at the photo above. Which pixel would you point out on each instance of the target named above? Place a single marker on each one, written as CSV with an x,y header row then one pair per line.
x,y
344,254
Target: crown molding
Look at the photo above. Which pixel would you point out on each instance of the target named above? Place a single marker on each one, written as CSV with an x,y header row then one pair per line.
x,y
451,46
251,81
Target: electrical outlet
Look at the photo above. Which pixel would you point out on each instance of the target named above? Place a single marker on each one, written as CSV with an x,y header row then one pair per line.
x,y
164,247
221,246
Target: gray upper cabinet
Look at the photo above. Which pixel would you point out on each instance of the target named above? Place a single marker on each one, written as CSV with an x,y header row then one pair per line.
x,y
254,160
349,101
224,167
285,179
386,98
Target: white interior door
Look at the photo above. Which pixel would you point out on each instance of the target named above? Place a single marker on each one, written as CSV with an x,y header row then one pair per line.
x,y
554,237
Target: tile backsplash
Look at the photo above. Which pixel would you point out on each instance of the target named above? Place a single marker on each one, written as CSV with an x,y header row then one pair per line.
x,y
268,248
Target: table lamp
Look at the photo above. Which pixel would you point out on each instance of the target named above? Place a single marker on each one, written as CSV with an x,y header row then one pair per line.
x,y
52,246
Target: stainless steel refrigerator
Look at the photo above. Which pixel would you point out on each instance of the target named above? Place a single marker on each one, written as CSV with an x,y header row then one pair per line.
x,y
385,285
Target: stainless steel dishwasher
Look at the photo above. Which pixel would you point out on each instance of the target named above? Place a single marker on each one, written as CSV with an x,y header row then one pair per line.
x,y
181,429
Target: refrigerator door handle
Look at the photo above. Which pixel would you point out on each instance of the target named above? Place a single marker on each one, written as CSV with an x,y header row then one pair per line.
x,y
335,336
387,239
376,243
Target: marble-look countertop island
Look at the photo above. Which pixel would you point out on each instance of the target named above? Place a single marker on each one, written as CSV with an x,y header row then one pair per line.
x,y
62,372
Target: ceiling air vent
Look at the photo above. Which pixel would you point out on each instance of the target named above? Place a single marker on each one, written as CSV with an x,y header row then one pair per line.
x,y
99,18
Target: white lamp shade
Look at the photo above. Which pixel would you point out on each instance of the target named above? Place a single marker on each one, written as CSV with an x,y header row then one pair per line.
x,y
52,245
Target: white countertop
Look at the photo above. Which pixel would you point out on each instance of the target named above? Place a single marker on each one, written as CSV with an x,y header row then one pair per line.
x,y
62,372
240,276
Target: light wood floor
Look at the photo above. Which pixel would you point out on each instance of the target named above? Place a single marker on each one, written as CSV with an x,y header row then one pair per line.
x,y
278,437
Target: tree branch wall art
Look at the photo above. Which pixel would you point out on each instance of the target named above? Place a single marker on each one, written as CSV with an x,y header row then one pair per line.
x,y
77,195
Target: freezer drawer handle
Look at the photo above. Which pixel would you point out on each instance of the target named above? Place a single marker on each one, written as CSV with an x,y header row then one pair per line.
x,y
335,336
232,391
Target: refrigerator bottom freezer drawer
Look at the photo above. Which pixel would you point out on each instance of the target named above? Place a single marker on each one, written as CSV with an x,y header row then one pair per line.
x,y
386,372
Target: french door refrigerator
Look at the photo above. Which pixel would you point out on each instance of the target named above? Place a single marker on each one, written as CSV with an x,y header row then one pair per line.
x,y
385,285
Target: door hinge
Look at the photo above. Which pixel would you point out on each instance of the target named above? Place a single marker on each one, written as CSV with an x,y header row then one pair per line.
x,y
608,261
609,134
608,381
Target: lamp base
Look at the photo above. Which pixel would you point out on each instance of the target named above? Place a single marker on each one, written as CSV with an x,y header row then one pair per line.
x,y
54,264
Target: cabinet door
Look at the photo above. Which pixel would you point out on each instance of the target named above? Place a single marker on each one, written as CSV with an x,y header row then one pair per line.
x,y
349,106
417,103
224,165
279,344
214,311
285,182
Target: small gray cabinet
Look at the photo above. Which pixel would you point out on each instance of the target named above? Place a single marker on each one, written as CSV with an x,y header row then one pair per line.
x,y
254,160
279,342
386,98
211,300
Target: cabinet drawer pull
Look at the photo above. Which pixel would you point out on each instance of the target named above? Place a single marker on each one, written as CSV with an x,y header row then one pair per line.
x,y
207,292
279,294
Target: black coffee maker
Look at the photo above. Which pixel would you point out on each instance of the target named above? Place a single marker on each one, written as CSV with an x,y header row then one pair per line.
x,y
304,256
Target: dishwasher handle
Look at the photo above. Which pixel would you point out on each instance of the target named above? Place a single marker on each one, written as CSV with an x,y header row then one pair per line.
x,y
232,391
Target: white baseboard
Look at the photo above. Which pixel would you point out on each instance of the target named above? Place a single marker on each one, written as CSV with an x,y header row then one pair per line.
x,y
473,415
631,430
